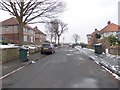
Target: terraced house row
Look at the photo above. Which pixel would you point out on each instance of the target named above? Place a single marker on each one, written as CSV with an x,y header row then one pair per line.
x,y
10,30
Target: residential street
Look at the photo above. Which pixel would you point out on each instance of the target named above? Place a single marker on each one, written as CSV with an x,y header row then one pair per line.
x,y
67,68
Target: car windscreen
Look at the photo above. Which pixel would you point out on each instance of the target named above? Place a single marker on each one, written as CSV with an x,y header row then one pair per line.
x,y
46,45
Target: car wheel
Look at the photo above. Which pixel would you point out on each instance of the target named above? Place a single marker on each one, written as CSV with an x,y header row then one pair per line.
x,y
52,52
41,52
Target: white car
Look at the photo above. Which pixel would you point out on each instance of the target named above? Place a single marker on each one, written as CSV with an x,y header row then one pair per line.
x,y
32,47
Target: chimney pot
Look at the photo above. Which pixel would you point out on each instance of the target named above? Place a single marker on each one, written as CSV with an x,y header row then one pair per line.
x,y
109,22
36,27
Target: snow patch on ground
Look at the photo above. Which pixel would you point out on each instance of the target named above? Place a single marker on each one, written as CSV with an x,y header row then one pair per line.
x,y
8,46
113,56
100,59
69,54
92,50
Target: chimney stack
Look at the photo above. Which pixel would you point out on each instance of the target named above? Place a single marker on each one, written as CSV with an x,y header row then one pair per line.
x,y
35,27
108,22
95,29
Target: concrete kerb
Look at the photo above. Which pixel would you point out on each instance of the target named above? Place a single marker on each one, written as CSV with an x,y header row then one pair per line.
x,y
99,61
35,59
30,61
108,68
106,65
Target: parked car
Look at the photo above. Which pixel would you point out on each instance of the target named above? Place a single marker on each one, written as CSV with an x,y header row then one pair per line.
x,y
30,46
70,45
47,48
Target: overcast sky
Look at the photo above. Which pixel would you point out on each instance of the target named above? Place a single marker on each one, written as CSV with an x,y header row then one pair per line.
x,y
83,16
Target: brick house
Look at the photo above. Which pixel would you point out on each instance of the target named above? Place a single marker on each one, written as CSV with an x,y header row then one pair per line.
x,y
40,37
110,29
10,32
92,38
29,34
89,37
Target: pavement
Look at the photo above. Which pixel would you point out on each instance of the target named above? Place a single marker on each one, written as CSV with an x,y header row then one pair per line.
x,y
112,64
10,66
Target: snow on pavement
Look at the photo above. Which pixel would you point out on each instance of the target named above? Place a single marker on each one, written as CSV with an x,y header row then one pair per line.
x,y
8,46
109,61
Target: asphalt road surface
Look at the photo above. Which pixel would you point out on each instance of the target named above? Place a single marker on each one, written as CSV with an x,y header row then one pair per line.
x,y
67,68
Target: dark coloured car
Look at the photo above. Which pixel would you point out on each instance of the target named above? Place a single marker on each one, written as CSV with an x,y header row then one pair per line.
x,y
47,48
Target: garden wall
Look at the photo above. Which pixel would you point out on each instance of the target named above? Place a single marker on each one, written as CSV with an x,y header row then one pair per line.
x,y
8,54
115,50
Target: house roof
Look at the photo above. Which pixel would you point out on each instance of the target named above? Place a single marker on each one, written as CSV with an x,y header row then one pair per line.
x,y
29,27
37,31
96,31
13,21
111,27
9,22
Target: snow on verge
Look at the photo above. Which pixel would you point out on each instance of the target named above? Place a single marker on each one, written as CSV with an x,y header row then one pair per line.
x,y
7,46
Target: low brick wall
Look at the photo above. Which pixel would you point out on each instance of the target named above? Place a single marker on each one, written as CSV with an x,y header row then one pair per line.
x,y
115,50
8,54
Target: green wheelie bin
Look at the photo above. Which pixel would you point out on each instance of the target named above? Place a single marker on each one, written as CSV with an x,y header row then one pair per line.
x,y
23,54
98,48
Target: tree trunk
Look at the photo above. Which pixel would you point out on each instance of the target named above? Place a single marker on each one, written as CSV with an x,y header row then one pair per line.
x,y
20,42
55,38
51,39
75,41
21,36
58,40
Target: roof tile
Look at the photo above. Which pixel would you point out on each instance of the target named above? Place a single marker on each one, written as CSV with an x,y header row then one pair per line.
x,y
9,22
37,31
111,28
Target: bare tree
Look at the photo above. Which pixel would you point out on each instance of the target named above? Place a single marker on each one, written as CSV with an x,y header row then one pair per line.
x,y
52,26
58,27
62,28
76,37
50,31
26,11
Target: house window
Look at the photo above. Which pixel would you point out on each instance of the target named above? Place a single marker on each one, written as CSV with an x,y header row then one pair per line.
x,y
114,33
25,38
25,30
6,28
